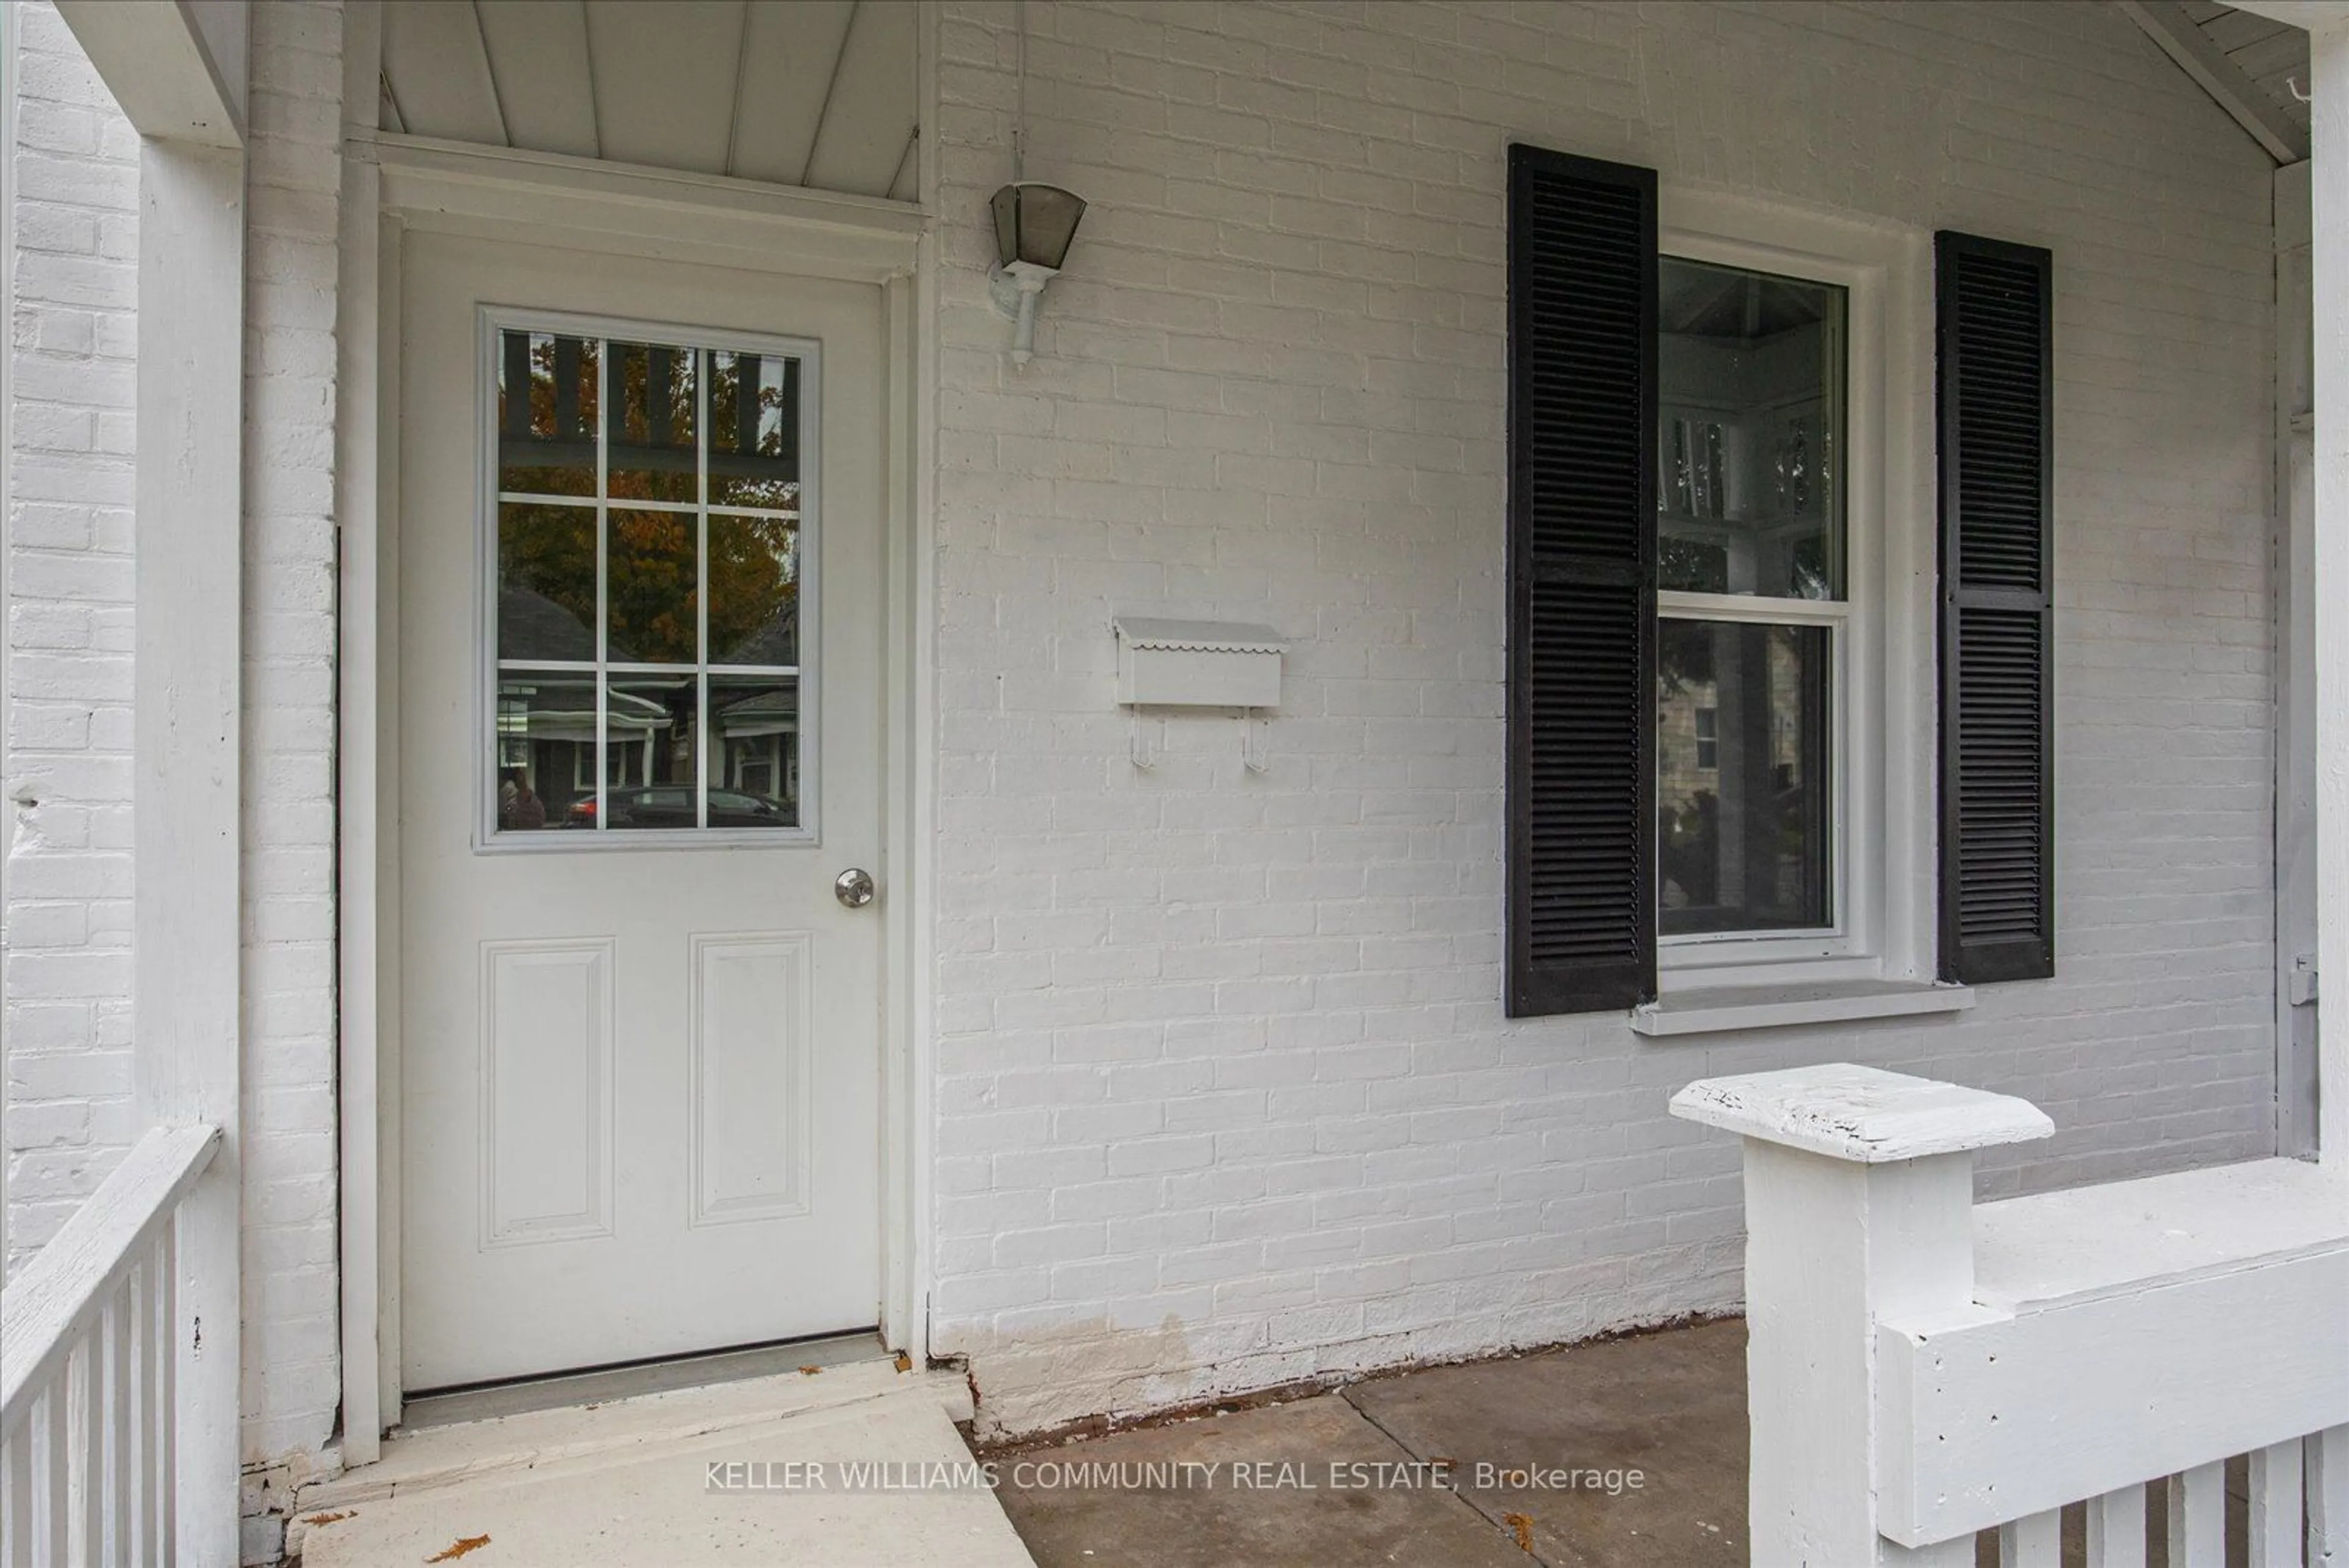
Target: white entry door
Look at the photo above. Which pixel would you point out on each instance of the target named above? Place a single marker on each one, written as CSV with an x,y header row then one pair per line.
x,y
640,738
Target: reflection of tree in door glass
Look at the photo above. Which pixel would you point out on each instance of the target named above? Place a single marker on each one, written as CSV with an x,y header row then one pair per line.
x,y
650,576
753,590
546,582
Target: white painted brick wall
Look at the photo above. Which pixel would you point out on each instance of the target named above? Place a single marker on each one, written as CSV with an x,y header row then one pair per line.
x,y
73,225
292,1376
70,870
1226,1097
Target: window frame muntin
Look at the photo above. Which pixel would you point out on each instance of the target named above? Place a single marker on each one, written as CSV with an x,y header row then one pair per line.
x,y
491,321
1733,232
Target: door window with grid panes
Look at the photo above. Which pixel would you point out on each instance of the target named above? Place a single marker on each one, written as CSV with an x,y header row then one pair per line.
x,y
652,571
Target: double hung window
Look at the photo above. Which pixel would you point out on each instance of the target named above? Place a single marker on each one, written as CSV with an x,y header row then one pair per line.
x,y
1752,603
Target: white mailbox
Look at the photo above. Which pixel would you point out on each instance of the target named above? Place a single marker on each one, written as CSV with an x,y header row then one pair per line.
x,y
1198,664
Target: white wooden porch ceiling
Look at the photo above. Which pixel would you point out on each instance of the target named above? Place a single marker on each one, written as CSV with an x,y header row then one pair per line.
x,y
2274,55
818,93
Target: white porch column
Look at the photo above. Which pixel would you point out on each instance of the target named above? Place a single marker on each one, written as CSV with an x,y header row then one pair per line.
x,y
2327,22
178,71
186,918
2328,43
1858,1203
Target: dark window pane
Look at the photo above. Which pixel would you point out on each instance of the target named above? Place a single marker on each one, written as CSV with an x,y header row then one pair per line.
x,y
547,413
754,590
1750,489
545,764
1743,797
754,756
546,582
652,454
754,431
652,588
653,719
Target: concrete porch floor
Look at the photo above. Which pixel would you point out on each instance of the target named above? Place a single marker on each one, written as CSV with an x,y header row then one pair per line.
x,y
629,1482
1670,1404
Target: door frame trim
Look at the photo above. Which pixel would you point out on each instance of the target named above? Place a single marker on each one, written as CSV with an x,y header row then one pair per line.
x,y
393,184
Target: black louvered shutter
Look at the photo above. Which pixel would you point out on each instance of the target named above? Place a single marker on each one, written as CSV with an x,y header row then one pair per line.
x,y
1997,479
1582,584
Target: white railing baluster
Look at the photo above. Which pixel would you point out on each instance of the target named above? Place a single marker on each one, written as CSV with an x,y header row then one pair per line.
x,y
137,1465
2198,1517
2327,1470
70,1430
147,1550
2033,1542
116,1332
167,1393
89,1449
16,1504
2117,1529
2275,1534
53,1511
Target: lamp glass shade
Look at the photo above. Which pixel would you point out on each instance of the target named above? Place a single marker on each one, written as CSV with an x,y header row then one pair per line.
x,y
1035,223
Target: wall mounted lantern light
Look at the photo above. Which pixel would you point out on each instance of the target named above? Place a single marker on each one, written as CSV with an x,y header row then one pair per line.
x,y
1034,224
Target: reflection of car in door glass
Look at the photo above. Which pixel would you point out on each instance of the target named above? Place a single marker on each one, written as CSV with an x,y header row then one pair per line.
x,y
737,808
671,806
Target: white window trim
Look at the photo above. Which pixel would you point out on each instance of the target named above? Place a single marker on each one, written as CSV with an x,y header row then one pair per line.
x,y
1883,724
490,322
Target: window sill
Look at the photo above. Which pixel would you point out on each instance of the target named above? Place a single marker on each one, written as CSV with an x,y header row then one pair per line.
x,y
1717,1009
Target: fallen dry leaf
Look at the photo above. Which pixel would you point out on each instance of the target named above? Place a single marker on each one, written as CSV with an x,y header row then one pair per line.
x,y
460,1547
326,1517
905,1362
809,1371
1522,1523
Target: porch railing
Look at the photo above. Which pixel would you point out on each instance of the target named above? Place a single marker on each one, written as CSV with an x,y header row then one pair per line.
x,y
1923,1368
88,1415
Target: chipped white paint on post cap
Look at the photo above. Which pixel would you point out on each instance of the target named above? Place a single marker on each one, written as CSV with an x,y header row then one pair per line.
x,y
1861,1114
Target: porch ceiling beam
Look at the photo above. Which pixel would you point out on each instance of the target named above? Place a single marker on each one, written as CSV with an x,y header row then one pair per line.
x,y
2244,99
176,66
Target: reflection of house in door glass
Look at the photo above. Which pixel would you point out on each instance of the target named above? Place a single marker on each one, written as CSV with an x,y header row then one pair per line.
x,y
759,727
649,574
